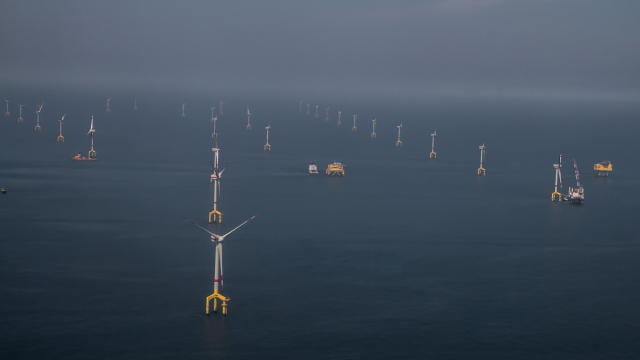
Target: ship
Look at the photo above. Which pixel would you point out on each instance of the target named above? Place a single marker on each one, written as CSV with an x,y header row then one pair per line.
x,y
603,168
575,195
79,157
313,169
335,169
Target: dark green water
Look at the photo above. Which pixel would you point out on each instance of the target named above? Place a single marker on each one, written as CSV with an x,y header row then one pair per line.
x,y
405,257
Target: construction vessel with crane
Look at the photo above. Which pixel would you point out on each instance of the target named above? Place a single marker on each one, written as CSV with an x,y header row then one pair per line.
x,y
575,195
335,169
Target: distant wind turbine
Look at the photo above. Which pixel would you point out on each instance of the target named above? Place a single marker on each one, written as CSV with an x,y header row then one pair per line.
x,y
20,119
7,113
108,111
183,115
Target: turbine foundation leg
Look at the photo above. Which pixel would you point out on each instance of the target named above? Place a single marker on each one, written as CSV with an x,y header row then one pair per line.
x,y
60,138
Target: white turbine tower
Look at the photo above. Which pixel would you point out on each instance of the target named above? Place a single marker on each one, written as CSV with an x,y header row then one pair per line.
x,y
557,166
267,147
326,117
60,137
135,104
218,277
20,119
215,134
339,115
91,131
300,107
215,215
307,109
432,154
221,103
316,110
38,128
481,170
213,108
183,114
248,119
399,143
373,134
354,128
108,111
7,113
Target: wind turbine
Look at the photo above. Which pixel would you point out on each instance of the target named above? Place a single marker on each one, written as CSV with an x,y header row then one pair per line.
x,y
481,170
215,134
267,147
91,131
432,154
557,166
38,128
399,143
307,109
213,108
326,117
300,107
218,239
354,128
248,119
221,103
60,137
316,110
20,119
215,179
183,115
339,115
373,134
108,111
7,113
135,104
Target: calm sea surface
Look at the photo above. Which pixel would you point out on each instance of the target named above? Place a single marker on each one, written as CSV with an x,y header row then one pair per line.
x,y
404,257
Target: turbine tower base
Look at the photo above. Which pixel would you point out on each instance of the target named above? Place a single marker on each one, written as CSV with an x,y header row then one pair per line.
x,y
432,155
92,153
339,123
7,114
214,135
215,296
267,147
554,194
248,127
373,135
38,128
20,119
217,216
398,143
481,171
60,138
354,129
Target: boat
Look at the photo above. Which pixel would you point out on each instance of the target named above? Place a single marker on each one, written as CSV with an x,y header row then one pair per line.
x,y
603,168
575,195
79,157
335,169
313,169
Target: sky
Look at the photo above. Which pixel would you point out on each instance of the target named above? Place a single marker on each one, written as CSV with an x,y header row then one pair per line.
x,y
360,47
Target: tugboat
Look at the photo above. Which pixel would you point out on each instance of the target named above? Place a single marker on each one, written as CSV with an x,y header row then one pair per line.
x,y
575,195
80,158
335,169
313,169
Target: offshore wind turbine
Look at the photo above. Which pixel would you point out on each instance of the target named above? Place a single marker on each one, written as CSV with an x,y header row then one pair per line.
x,y
339,115
300,107
213,108
481,170
267,147
183,114
108,111
7,113
248,119
316,110
92,131
326,117
399,143
215,134
218,278
135,104
555,192
307,109
221,103
38,128
20,119
373,134
215,179
432,154
354,128
60,137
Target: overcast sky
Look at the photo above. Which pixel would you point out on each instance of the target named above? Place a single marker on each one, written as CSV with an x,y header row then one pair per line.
x,y
381,47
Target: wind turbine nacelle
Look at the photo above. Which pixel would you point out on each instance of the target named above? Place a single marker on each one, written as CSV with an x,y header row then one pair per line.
x,y
556,166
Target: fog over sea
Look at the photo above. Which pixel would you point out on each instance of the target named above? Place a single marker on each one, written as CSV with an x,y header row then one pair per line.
x,y
404,257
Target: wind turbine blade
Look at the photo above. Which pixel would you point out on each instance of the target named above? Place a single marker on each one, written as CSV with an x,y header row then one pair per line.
x,y
213,166
560,175
220,174
239,225
212,234
221,276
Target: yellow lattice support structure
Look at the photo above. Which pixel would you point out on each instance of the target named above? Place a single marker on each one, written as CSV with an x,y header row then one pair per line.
x,y
481,171
215,296
432,155
556,194
92,153
216,216
60,138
